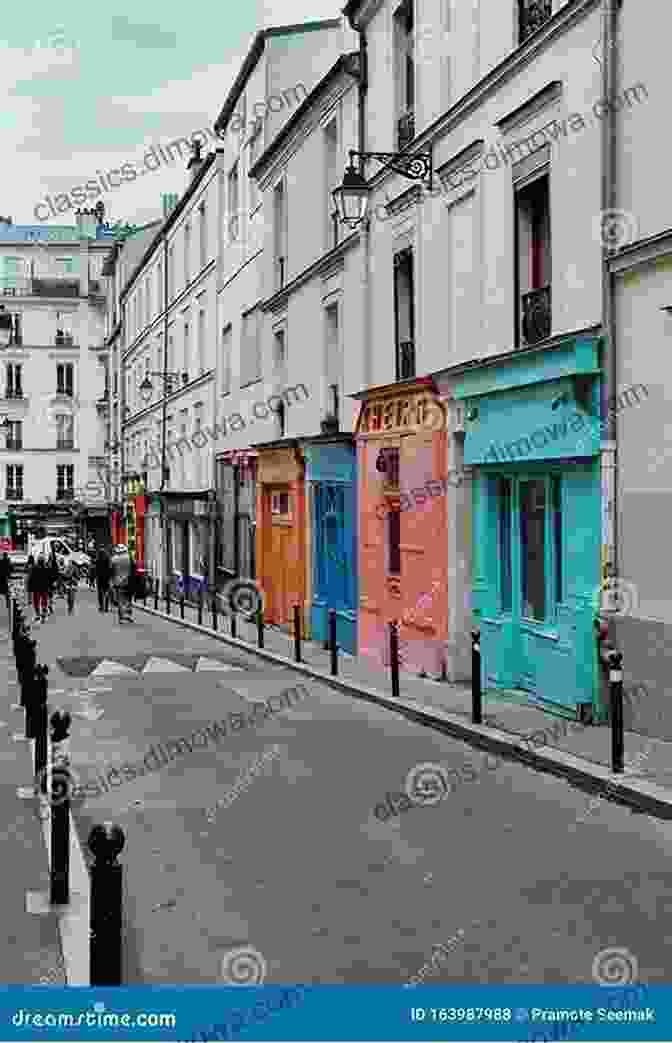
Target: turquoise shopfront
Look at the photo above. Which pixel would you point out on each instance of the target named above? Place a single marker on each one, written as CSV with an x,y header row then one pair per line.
x,y
330,473
532,440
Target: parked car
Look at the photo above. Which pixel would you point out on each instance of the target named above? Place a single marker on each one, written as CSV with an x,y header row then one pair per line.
x,y
65,554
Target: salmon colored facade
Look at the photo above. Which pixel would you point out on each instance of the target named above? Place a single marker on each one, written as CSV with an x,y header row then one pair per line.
x,y
281,532
403,561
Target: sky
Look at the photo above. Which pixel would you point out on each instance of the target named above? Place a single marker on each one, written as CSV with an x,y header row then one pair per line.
x,y
86,89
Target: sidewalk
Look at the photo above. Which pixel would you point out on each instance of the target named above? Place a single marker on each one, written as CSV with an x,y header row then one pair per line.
x,y
31,953
582,754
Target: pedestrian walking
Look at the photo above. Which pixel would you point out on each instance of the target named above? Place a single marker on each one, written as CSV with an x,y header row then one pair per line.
x,y
103,573
54,580
5,575
39,584
123,576
71,579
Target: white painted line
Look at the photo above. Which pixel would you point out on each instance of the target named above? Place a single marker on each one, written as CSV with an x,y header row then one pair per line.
x,y
74,919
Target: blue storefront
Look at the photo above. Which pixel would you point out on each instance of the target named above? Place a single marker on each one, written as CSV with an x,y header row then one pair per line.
x,y
532,440
330,474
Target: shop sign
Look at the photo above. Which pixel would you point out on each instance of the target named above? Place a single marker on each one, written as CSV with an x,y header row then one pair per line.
x,y
403,414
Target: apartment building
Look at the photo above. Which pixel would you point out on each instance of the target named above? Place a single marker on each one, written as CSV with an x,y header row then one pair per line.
x,y
488,279
250,357
52,382
311,284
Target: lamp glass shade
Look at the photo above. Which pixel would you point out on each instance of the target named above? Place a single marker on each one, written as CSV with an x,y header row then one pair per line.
x,y
6,326
146,389
351,198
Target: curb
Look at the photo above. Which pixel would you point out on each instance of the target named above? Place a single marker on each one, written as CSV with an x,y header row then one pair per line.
x,y
594,778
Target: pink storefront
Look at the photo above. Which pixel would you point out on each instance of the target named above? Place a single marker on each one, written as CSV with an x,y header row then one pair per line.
x,y
403,566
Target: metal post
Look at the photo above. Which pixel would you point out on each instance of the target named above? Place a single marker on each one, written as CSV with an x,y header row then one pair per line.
x,y
476,691
616,694
200,606
168,597
297,634
332,642
394,657
260,627
214,611
234,624
156,594
105,842
40,707
60,811
182,606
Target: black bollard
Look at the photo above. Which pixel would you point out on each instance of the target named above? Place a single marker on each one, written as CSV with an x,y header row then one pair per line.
x,y
182,606
615,662
60,811
476,691
234,623
40,723
297,634
167,598
105,842
156,594
332,642
214,611
200,606
260,627
27,681
394,657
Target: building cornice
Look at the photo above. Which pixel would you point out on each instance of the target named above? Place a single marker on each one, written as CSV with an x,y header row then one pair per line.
x,y
642,252
278,301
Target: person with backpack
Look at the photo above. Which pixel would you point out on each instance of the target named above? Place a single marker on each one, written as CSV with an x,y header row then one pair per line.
x,y
123,578
103,572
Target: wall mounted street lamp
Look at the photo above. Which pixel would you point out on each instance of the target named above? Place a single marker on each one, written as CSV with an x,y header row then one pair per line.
x,y
6,327
146,389
351,198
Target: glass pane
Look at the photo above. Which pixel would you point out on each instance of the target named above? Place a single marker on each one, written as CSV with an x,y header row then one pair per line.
x,y
557,535
532,548
505,543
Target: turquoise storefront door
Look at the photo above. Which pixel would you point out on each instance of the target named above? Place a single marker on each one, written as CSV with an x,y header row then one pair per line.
x,y
537,632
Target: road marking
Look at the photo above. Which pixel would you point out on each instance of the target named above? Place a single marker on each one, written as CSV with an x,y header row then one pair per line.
x,y
213,664
109,667
155,665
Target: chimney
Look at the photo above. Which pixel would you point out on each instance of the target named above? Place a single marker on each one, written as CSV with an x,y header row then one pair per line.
x,y
168,203
196,161
6,221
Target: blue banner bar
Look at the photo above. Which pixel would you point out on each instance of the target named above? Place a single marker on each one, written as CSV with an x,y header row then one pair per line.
x,y
529,1014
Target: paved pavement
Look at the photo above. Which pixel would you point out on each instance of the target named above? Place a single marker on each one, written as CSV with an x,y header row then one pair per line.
x,y
511,871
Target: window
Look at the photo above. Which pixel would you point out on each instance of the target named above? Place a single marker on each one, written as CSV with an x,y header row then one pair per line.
x,y
504,536
14,482
65,431
184,413
404,314
65,379
148,301
404,73
533,225
531,16
255,152
533,548
332,366
159,285
203,235
201,341
250,353
280,503
199,458
139,312
234,202
282,420
388,465
394,542
171,272
65,481
280,234
279,353
226,359
65,266
332,180
185,355
14,439
13,385
187,248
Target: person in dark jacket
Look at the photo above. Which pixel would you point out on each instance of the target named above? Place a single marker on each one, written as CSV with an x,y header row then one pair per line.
x,y
39,582
54,577
5,574
103,570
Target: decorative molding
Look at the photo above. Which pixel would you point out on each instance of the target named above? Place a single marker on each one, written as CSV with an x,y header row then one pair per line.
x,y
280,298
537,103
409,197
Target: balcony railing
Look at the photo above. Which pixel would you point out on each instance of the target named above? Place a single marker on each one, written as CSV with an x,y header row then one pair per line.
x,y
65,443
406,360
531,16
65,340
536,315
405,129
67,392
14,493
65,494
14,443
13,393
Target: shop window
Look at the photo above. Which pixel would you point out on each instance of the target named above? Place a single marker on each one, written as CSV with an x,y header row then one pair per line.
x,y
404,318
533,220
556,492
280,503
394,543
504,556
533,548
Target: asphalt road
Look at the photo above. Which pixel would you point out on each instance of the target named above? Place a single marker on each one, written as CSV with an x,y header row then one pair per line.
x,y
505,872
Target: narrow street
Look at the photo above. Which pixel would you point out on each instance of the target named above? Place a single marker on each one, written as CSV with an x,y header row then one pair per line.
x,y
298,866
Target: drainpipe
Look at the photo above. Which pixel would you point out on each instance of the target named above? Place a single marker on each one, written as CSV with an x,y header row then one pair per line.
x,y
608,456
163,521
362,88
